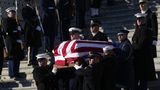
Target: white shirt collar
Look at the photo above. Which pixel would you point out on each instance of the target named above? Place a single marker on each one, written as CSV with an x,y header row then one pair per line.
x,y
94,33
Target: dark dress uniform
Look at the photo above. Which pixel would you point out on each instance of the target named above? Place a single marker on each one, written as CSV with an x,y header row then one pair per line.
x,y
80,13
49,20
107,81
1,50
15,53
64,75
124,67
92,77
99,36
76,82
65,14
32,35
143,62
45,79
152,24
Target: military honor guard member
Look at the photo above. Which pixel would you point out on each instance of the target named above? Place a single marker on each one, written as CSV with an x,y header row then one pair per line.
x,y
42,74
143,59
75,33
32,31
95,33
13,42
152,23
49,20
124,67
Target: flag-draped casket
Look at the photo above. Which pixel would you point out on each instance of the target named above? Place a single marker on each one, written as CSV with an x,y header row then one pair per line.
x,y
69,51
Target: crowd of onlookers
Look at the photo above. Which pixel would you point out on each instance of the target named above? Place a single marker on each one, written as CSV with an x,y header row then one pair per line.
x,y
126,64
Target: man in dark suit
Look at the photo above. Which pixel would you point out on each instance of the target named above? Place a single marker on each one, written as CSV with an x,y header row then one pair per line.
x,y
143,61
152,24
95,33
32,31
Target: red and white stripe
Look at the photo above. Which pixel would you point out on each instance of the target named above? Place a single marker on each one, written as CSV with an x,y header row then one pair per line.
x,y
69,51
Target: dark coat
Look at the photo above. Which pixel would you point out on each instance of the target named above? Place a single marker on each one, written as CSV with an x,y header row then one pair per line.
x,y
65,9
152,24
49,17
32,36
124,66
64,75
99,36
107,81
45,79
12,35
92,77
76,82
143,62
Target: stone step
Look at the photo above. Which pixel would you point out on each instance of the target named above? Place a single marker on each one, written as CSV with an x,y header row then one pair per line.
x,y
26,75
25,88
11,83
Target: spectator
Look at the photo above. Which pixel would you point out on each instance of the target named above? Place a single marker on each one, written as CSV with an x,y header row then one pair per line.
x,y
142,45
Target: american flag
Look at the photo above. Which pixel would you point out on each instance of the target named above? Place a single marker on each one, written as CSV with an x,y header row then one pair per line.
x,y
69,51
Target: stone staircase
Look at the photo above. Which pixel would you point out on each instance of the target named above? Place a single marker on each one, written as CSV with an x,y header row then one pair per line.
x,y
113,18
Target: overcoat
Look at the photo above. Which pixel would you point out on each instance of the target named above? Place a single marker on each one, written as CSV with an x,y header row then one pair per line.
x,y
143,61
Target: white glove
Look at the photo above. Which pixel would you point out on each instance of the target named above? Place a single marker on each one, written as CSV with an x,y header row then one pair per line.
x,y
19,41
38,28
54,70
154,42
77,67
19,28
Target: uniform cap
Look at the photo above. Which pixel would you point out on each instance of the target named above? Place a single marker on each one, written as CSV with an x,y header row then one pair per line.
x,y
140,15
94,54
95,23
43,56
108,48
74,29
10,9
123,32
142,1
